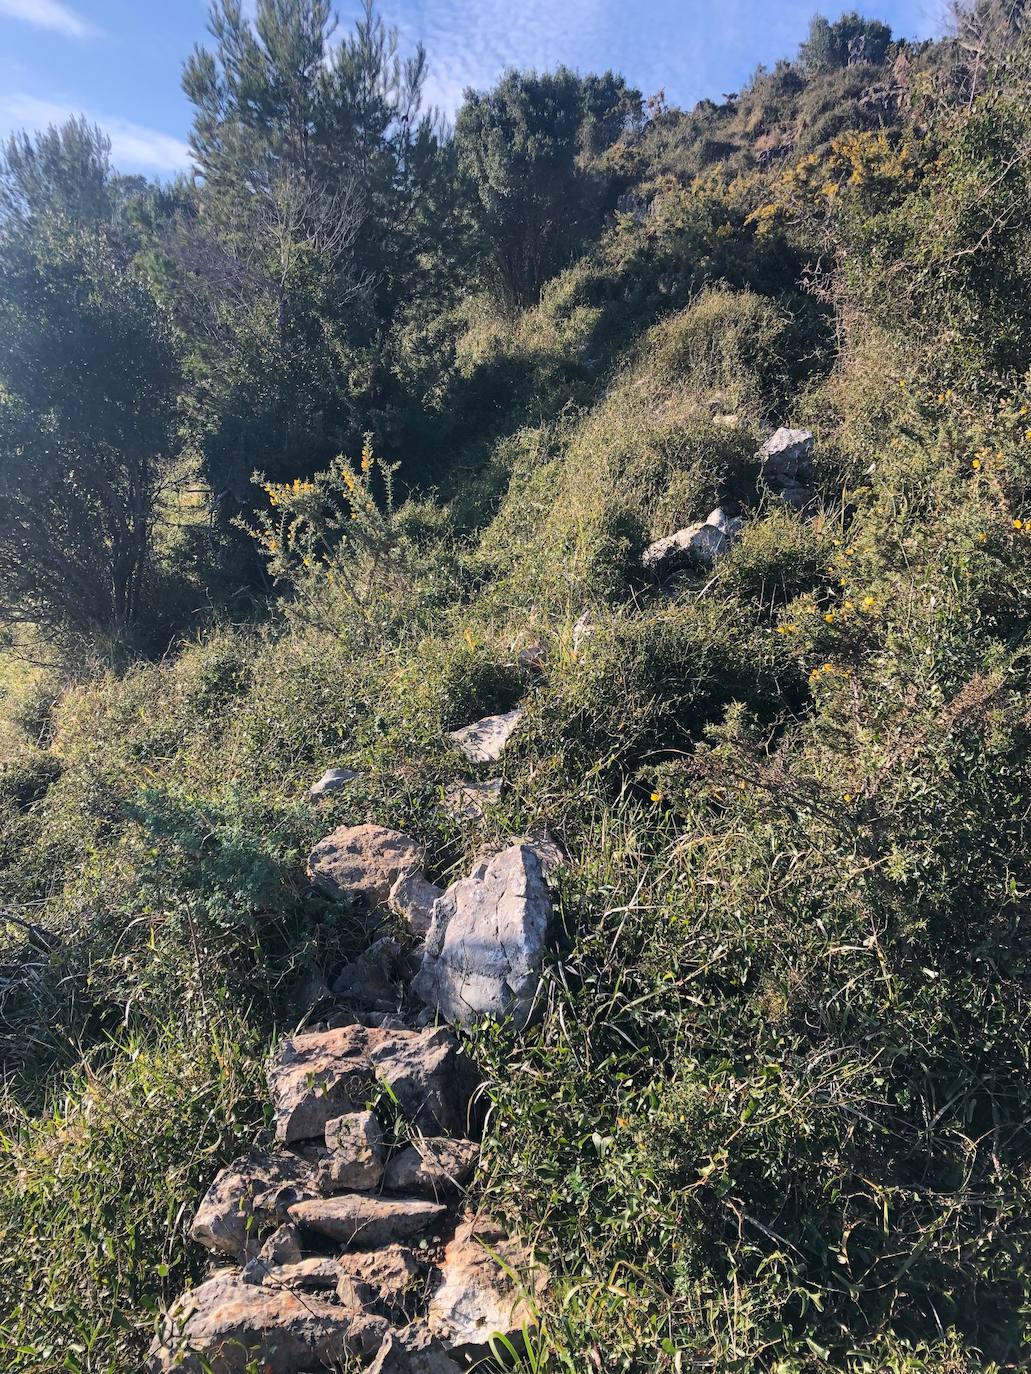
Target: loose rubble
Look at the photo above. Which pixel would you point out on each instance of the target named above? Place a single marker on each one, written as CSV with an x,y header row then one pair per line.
x,y
351,1239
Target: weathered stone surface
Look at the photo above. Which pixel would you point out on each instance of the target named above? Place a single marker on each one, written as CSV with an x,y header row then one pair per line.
x,y
413,1350
392,1273
486,943
796,496
313,1275
465,801
435,1166
477,1299
332,780
484,741
786,453
355,1219
225,1326
283,1246
363,861
697,546
325,1074
412,899
356,1154
248,1198
372,981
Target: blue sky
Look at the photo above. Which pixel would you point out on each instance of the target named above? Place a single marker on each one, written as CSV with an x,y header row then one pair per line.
x,y
119,61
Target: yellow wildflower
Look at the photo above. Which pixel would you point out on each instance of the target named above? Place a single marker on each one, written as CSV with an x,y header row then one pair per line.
x,y
656,796
829,617
868,603
975,463
1018,524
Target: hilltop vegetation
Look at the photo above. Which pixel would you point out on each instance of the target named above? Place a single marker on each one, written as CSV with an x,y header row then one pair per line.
x,y
776,1113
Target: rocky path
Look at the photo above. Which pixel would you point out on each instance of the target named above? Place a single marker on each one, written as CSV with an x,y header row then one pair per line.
x,y
351,1241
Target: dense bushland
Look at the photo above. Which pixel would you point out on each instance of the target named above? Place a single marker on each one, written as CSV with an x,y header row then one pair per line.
x,y
776,1114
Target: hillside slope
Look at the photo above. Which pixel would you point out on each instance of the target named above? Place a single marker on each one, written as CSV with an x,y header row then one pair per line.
x,y
774,1114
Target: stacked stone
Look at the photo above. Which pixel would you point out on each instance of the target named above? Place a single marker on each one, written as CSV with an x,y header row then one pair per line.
x,y
343,1242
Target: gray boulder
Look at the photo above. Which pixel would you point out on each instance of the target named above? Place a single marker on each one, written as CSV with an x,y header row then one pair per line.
x,y
698,546
486,943
363,861
484,740
332,780
785,455
249,1198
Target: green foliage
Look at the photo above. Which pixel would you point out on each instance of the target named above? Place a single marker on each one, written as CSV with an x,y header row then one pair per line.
x,y
534,151
774,1116
89,380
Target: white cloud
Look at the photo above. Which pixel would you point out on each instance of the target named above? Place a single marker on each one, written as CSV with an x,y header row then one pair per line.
x,y
49,14
134,148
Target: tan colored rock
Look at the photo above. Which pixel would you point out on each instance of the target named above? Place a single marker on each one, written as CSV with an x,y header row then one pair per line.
x,y
435,1166
412,1350
283,1246
356,1154
356,1219
477,1299
412,898
392,1272
315,1274
249,1198
325,1074
225,1326
363,861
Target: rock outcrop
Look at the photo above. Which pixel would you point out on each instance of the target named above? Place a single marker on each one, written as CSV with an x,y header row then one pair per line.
x,y
249,1198
346,1245
486,942
226,1326
478,1296
360,1221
